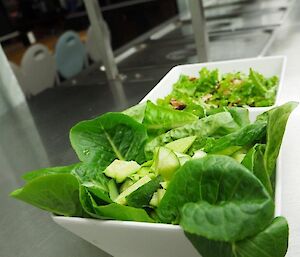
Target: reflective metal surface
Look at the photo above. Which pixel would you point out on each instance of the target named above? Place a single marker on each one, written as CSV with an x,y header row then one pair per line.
x,y
35,135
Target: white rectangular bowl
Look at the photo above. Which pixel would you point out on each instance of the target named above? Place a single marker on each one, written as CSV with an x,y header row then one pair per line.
x,y
139,239
268,66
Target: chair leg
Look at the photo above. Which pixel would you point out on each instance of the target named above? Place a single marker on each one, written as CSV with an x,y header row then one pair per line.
x,y
57,79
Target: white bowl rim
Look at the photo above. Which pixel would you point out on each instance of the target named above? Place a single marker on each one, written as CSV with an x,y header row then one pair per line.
x,y
117,222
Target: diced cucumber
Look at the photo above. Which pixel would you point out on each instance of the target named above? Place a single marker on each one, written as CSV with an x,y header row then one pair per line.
x,y
181,145
143,171
121,199
183,158
127,183
164,185
112,189
154,200
135,177
160,194
146,171
239,157
199,154
142,196
147,164
120,170
165,163
157,196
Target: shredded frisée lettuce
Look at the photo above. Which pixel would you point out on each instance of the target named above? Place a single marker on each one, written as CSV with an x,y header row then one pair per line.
x,y
213,90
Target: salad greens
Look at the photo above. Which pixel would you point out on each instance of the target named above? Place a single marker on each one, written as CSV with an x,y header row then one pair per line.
x,y
216,126
58,193
109,137
271,242
209,171
212,90
216,197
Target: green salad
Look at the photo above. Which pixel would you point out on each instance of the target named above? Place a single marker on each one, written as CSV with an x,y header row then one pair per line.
x,y
213,175
212,90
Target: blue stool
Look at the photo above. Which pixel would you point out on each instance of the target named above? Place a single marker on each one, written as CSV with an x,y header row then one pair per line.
x,y
70,55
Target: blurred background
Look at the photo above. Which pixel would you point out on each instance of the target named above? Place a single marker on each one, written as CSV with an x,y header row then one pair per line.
x,y
62,61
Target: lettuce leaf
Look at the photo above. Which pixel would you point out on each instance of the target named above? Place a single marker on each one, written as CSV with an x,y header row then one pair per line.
x,y
217,198
57,193
109,137
271,242
276,119
159,119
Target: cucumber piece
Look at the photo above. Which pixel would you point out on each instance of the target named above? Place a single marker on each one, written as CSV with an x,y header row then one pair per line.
x,y
120,170
157,196
181,145
154,200
164,185
143,171
199,154
166,163
141,197
112,189
147,163
127,183
183,158
239,157
135,177
146,171
160,194
121,199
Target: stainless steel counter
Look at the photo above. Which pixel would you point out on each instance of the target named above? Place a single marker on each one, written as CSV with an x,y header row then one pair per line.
x,y
35,135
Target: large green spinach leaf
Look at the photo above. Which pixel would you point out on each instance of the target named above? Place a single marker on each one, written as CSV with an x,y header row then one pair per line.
x,y
271,242
57,193
108,137
218,198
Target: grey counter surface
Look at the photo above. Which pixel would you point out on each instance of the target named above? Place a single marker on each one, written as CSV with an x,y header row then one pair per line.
x,y
35,135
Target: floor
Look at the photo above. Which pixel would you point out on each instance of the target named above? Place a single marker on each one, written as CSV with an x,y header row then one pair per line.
x,y
35,134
